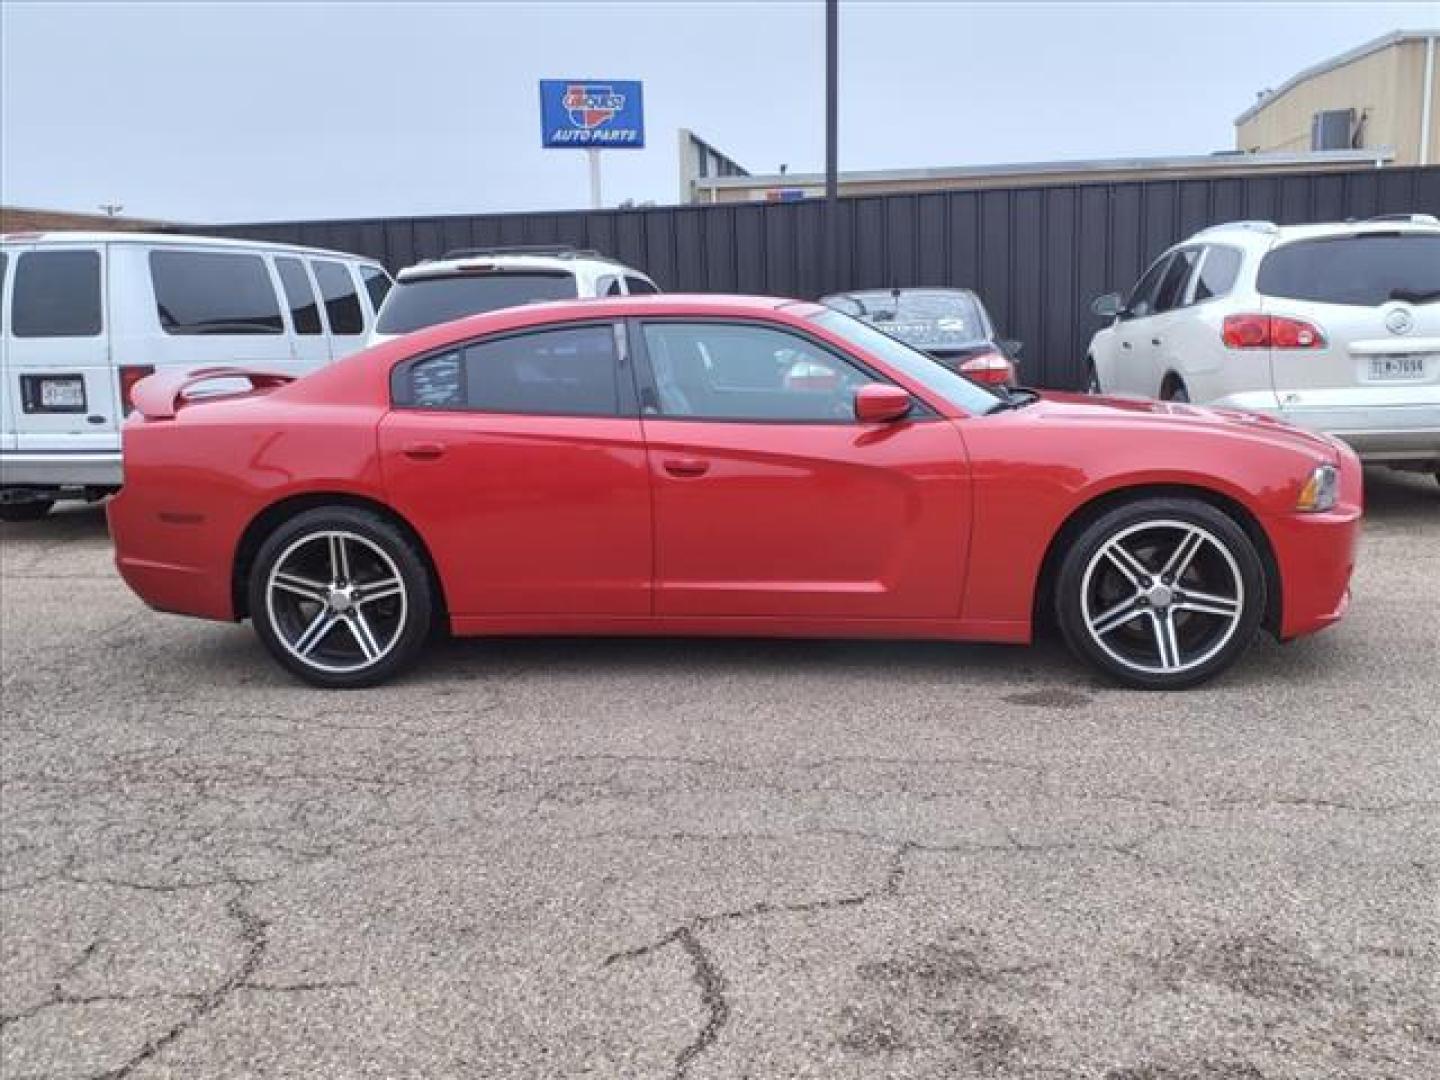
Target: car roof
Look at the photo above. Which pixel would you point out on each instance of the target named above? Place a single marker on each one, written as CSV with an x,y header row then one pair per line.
x,y
170,240
568,260
1265,234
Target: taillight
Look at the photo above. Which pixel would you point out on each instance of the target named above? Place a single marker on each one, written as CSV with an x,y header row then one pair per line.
x,y
992,368
1270,332
130,374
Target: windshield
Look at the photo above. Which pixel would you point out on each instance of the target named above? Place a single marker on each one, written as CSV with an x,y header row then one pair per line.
x,y
412,305
954,388
925,318
1366,270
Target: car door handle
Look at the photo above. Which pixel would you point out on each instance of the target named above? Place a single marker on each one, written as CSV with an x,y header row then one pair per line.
x,y
1124,344
1154,341
686,466
423,451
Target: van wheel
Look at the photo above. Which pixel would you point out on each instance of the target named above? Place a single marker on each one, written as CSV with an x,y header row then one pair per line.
x,y
33,510
1161,593
341,597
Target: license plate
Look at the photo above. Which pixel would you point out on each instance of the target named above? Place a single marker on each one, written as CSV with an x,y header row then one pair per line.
x,y
54,393
1397,367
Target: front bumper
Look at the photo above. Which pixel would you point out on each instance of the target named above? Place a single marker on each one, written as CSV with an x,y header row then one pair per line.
x,y
1315,556
60,469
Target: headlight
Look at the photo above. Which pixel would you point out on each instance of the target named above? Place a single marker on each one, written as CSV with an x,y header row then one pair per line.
x,y
1321,491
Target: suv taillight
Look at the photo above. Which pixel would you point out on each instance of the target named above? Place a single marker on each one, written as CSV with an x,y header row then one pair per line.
x,y
1270,332
130,374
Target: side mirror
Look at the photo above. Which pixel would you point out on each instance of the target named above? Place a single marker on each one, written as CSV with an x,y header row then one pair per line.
x,y
1012,349
880,403
1108,306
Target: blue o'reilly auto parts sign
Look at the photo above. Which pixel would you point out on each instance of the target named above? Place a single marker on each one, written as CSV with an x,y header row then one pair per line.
x,y
592,114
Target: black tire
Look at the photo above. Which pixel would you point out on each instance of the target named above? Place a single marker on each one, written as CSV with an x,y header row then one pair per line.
x,y
25,511
1164,643
1177,392
376,557
1092,379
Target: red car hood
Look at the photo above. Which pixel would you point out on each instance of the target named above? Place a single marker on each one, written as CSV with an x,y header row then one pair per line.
x,y
1148,414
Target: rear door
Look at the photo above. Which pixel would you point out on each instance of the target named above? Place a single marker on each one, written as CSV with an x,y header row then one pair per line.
x,y
521,459
1375,297
58,373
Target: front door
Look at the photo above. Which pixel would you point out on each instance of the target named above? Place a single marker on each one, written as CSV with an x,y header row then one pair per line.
x,y
521,459
772,500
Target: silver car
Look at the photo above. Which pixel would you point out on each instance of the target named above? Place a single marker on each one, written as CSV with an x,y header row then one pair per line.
x,y
1331,327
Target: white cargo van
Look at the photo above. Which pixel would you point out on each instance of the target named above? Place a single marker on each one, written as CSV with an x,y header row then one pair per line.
x,y
85,316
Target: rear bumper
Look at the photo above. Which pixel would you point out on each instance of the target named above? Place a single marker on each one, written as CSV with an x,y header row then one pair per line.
x,y
60,469
1378,433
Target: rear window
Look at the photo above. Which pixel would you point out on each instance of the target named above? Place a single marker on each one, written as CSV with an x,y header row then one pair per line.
x,y
57,294
199,292
1363,270
412,305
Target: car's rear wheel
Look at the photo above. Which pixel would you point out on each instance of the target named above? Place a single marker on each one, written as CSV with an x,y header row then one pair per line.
x,y
341,597
1161,593
33,510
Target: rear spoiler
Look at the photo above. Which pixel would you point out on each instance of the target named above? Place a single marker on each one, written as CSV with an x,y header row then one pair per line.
x,y
159,396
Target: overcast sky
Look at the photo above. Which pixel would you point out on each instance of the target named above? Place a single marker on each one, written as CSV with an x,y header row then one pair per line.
x,y
213,112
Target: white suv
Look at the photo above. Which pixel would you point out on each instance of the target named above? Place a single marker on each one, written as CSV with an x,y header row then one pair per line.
x,y
476,280
1332,327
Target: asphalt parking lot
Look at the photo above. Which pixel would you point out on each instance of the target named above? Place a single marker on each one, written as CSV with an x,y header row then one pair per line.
x,y
715,859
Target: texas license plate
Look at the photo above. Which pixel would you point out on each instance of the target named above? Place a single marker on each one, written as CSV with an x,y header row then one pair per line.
x,y
1397,367
53,393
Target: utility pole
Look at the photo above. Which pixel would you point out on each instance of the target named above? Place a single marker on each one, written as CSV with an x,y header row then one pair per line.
x,y
832,105
829,272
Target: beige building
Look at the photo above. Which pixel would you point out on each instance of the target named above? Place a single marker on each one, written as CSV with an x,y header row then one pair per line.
x,y
1384,95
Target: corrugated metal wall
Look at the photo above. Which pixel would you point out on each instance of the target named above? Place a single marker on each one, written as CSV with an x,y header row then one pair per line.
x,y
1037,255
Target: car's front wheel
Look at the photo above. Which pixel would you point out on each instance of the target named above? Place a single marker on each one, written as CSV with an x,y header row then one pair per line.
x,y
1161,593
341,597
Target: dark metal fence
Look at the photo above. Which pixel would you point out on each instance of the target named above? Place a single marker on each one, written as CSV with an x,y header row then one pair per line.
x,y
1036,255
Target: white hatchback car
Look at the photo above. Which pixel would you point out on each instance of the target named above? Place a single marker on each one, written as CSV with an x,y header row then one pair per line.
x,y
1331,327
477,280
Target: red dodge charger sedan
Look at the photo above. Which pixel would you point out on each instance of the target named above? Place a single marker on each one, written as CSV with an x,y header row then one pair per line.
x,y
718,465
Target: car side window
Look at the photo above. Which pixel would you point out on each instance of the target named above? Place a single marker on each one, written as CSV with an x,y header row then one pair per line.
x,y
1217,273
639,286
377,284
1171,293
342,304
1141,301
721,371
213,293
299,295
572,371
4,262
608,285
56,294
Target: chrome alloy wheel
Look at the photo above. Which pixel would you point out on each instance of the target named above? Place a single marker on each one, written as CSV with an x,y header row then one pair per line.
x,y
336,601
1162,597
